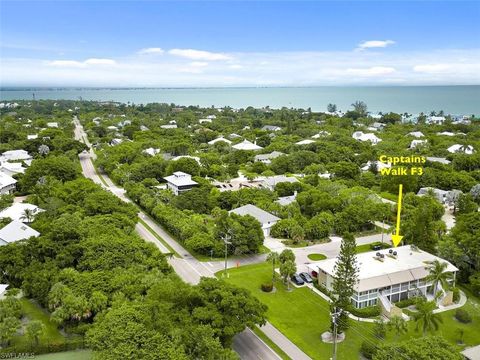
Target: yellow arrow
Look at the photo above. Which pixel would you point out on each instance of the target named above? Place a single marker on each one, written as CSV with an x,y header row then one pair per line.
x,y
396,238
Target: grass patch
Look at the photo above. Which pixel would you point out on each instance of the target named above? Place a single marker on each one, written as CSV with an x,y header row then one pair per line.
x,y
303,316
34,312
159,238
316,257
270,343
67,355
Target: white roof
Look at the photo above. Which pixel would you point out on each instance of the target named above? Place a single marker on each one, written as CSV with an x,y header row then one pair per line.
x,y
3,288
417,134
305,142
272,155
409,265
472,353
246,145
15,155
380,165
205,121
180,178
52,124
16,231
467,149
360,135
173,126
15,212
438,159
151,151
271,181
262,216
221,138
286,200
320,134
32,137
196,158
446,133
12,168
416,143
6,180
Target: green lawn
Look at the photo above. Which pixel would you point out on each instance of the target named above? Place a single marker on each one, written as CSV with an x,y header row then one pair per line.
x,y
303,316
316,257
33,312
67,355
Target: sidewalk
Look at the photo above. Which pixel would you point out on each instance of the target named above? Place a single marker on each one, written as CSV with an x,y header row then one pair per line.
x,y
283,343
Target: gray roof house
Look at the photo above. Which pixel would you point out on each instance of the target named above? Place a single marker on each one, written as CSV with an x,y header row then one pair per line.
x,y
271,181
267,158
271,128
265,219
16,231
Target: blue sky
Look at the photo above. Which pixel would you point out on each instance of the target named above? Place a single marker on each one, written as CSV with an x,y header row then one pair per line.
x,y
226,43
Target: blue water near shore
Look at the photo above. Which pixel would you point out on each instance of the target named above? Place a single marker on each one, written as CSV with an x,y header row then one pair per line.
x,y
411,99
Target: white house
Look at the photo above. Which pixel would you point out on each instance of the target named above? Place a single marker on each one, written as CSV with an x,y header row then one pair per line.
x,y
265,219
438,120
169,126
11,169
320,134
7,184
361,136
271,181
52,124
271,128
32,137
202,121
305,142
196,158
446,133
15,155
438,160
247,145
287,200
180,182
17,211
418,143
219,139
267,158
151,151
211,117
443,196
457,148
417,134
386,276
3,290
16,231
116,141
379,165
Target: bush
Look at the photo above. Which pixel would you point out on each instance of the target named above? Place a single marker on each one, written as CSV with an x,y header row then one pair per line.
x,y
407,302
268,287
368,349
409,312
367,312
323,289
456,295
463,316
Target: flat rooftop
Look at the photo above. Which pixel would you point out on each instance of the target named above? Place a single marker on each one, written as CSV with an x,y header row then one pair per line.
x,y
409,265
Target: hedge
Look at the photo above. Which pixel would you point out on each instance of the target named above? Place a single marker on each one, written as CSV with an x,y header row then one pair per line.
x,y
367,312
463,316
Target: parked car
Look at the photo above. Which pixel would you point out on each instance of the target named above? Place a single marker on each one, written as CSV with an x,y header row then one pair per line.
x,y
376,247
306,277
297,280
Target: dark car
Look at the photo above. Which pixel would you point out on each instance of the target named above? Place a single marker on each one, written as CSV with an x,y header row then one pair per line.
x,y
376,247
297,280
306,277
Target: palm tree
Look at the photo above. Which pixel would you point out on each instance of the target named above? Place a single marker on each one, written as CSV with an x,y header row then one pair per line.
x,y
425,316
28,215
287,269
438,274
274,258
360,107
398,324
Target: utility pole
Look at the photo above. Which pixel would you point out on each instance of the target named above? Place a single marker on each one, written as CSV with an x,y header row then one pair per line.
x,y
226,239
336,314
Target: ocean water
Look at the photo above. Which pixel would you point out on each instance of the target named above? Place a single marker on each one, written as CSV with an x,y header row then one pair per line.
x,y
412,99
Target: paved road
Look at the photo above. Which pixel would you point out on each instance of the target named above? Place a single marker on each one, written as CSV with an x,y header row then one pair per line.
x,y
246,344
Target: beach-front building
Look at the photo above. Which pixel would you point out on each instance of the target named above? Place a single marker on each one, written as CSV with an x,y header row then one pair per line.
x,y
265,219
180,182
387,276
247,146
361,136
267,158
16,231
7,184
465,149
437,120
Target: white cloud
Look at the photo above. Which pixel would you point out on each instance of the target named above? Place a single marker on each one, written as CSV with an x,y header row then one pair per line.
x,y
371,71
80,64
432,68
375,44
199,54
151,51
199,64
94,61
